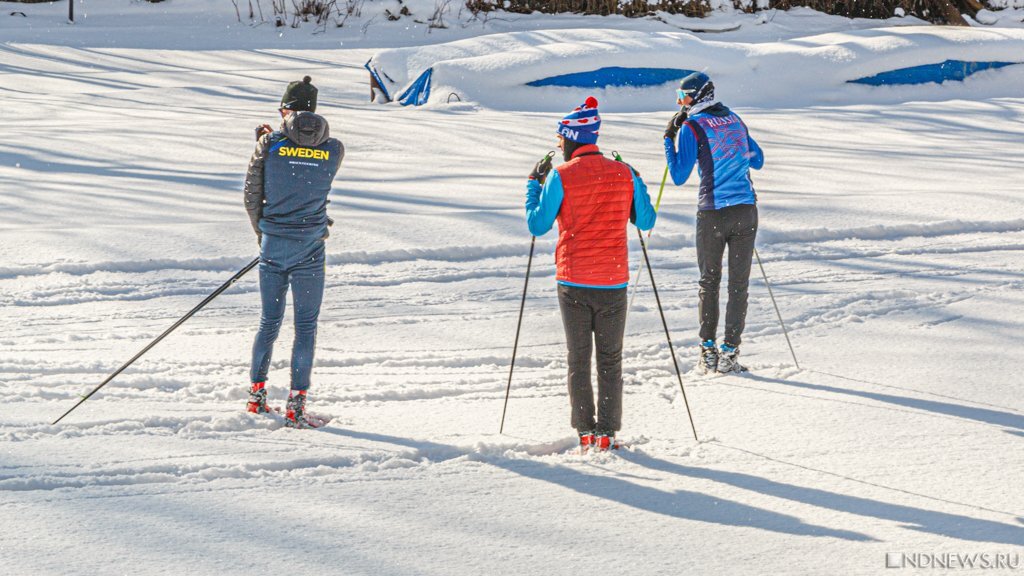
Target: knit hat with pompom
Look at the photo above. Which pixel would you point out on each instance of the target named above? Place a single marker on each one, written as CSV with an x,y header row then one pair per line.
x,y
300,96
582,124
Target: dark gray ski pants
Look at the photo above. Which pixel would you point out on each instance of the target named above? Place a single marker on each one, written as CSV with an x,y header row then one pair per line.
x,y
592,315
735,227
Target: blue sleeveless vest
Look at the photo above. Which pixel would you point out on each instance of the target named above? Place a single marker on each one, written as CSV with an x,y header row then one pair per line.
x,y
297,180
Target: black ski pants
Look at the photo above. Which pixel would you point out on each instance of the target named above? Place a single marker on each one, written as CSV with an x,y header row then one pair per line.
x,y
735,227
592,315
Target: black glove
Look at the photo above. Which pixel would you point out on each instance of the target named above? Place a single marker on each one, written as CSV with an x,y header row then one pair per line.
x,y
263,129
540,171
675,124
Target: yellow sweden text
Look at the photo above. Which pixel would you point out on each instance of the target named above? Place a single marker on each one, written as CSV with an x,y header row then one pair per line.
x,y
304,153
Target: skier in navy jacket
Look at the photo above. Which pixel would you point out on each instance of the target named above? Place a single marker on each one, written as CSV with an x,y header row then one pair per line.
x,y
286,188
715,140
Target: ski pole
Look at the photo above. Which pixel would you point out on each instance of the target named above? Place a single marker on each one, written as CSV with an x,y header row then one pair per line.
x,y
657,205
654,287
777,313
664,323
640,266
522,305
519,324
208,299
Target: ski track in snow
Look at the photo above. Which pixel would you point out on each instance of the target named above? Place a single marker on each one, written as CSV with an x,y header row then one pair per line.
x,y
472,374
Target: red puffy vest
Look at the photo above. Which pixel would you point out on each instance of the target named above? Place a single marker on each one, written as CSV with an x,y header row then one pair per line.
x,y
592,248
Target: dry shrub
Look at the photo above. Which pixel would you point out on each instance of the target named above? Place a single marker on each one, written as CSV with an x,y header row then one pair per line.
x,y
937,11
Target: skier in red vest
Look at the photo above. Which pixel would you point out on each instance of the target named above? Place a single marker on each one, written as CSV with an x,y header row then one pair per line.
x,y
593,199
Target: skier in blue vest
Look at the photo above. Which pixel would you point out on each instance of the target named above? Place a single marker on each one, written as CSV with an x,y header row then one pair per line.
x,y
286,188
717,142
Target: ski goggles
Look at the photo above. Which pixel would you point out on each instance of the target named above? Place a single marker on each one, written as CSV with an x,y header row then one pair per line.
x,y
682,94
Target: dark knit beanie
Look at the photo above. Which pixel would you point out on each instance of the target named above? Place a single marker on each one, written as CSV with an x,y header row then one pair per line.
x,y
300,96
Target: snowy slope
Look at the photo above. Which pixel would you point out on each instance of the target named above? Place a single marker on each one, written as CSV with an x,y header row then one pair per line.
x,y
495,71
894,237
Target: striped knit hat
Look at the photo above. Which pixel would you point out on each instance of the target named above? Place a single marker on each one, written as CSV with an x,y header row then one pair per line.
x,y
582,124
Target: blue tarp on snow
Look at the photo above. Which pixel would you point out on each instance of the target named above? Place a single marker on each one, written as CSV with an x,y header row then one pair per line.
x,y
615,76
955,70
418,92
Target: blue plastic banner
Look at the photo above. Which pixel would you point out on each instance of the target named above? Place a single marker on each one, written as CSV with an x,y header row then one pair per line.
x,y
953,70
615,76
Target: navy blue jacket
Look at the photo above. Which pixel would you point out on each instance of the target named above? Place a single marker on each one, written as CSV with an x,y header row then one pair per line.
x,y
290,176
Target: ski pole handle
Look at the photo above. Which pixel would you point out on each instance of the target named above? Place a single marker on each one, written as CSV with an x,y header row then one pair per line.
x,y
542,167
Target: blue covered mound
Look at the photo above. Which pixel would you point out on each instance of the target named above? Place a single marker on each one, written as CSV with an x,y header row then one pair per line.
x,y
955,70
416,94
614,76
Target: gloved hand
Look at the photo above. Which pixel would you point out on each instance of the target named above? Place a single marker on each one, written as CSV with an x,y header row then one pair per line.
x,y
263,129
542,168
675,124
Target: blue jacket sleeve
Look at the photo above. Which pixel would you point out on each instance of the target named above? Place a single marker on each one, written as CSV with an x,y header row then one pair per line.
x,y
645,214
756,158
543,203
681,162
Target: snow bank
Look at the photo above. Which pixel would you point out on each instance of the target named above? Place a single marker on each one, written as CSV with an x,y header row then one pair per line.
x,y
495,71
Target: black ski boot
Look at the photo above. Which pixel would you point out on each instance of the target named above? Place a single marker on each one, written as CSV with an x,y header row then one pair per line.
x,y
729,359
709,361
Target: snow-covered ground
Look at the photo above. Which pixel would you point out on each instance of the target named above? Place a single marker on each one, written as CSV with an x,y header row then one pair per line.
x,y
893,235
498,71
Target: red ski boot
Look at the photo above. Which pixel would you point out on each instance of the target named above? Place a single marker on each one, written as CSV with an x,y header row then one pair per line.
x,y
586,441
296,415
605,441
295,410
257,399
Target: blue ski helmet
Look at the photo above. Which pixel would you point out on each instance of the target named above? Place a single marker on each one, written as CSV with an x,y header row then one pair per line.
x,y
696,86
